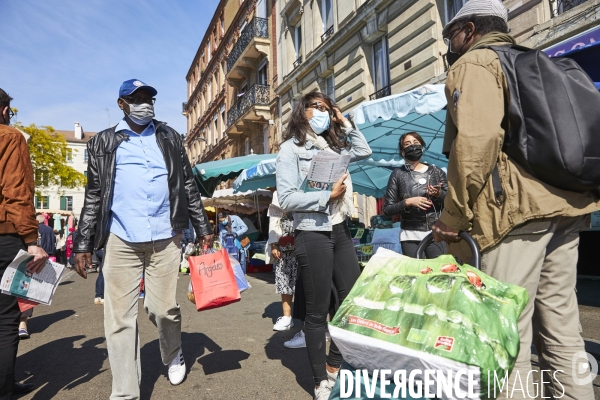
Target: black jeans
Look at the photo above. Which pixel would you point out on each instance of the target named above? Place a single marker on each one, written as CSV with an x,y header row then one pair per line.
x,y
9,319
324,258
409,249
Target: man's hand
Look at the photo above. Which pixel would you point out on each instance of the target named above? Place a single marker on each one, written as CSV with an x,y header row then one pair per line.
x,y
339,188
442,232
39,259
206,240
81,259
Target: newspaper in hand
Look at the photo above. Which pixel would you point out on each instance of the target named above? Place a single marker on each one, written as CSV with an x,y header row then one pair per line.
x,y
38,287
326,169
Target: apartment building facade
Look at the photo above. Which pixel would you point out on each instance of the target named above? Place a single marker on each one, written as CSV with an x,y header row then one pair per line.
x,y
231,109
356,50
59,199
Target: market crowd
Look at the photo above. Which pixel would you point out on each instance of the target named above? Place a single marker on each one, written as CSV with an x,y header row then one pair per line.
x,y
141,203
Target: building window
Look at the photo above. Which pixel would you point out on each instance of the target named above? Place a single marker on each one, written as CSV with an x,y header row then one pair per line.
x,y
223,120
222,26
243,88
85,155
327,14
42,202
298,41
217,135
330,87
261,9
381,64
262,73
41,178
69,155
247,146
452,7
66,203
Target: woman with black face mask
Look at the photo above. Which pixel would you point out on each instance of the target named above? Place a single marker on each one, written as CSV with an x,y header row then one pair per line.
x,y
416,191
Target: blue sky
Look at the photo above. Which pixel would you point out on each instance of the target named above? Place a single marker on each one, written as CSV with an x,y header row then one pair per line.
x,y
63,61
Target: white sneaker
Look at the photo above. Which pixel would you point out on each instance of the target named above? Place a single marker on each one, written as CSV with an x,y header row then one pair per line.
x,y
283,324
177,369
297,342
323,391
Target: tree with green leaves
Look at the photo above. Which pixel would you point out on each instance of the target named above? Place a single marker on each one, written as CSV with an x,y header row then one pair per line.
x,y
48,152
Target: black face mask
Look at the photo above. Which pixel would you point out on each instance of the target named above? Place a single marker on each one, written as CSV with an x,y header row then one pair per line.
x,y
413,152
451,56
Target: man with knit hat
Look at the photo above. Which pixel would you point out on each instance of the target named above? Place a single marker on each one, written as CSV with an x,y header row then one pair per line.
x,y
530,236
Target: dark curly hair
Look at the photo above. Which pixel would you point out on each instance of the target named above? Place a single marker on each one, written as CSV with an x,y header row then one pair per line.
x,y
298,125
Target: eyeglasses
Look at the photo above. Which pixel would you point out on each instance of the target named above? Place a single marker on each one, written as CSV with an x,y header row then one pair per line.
x,y
319,106
11,114
139,99
448,40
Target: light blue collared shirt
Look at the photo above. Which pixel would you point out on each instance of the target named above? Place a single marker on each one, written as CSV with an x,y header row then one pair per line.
x,y
140,205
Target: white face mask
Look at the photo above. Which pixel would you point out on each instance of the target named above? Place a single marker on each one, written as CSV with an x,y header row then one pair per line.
x,y
141,114
320,121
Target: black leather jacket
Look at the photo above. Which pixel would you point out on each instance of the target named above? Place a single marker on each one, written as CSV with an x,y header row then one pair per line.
x,y
402,186
186,203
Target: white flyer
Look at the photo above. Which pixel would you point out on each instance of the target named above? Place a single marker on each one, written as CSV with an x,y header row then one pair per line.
x,y
325,169
38,287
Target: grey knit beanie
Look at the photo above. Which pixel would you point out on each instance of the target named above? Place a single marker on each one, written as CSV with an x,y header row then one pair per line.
x,y
481,7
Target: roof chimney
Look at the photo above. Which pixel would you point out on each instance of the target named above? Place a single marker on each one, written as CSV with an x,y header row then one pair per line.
x,y
78,131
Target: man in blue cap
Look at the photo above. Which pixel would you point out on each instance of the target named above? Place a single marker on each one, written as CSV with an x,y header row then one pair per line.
x,y
139,196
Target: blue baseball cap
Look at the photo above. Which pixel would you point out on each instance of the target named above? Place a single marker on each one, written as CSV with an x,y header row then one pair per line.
x,y
130,86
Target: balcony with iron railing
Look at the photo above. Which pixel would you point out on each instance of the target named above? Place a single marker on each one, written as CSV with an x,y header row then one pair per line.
x,y
383,92
328,33
558,7
297,62
251,106
252,43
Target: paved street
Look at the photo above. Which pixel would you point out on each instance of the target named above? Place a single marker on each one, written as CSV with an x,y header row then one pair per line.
x,y
232,352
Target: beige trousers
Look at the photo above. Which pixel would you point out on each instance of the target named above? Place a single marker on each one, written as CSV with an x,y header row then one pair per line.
x,y
541,256
123,267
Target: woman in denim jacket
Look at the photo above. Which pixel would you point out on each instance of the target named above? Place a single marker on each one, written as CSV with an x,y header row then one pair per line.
x,y
323,245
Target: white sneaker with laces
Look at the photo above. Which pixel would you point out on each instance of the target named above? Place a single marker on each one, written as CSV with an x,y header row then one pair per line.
x,y
297,342
283,324
177,369
323,391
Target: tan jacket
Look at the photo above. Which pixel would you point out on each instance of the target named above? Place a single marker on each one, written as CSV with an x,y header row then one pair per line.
x,y
477,94
17,214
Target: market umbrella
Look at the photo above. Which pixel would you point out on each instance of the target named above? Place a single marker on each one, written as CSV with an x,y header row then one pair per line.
x,y
208,175
370,180
384,120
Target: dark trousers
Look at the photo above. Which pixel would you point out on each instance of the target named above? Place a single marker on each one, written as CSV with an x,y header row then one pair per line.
x,y
100,283
9,319
409,249
324,258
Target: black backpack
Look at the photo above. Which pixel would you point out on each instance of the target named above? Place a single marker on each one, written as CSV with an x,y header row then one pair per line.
x,y
553,118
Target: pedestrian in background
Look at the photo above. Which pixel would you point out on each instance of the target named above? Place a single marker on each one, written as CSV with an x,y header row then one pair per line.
x,y
286,266
99,260
230,224
46,237
18,231
528,236
137,219
323,245
416,191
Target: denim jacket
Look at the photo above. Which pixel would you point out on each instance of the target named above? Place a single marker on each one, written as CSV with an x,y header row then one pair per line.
x,y
310,210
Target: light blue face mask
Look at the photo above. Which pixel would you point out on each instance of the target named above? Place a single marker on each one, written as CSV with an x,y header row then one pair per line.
x,y
224,222
320,121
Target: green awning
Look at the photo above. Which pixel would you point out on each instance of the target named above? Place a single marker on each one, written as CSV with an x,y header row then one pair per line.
x,y
208,175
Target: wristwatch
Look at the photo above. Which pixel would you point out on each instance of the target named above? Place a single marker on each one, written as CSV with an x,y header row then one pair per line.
x,y
31,244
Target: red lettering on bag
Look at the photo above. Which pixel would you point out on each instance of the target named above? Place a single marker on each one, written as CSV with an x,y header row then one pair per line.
x,y
444,343
376,326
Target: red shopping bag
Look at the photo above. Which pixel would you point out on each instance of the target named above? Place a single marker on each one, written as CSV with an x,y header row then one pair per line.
x,y
213,280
